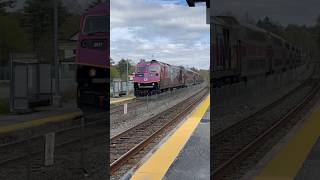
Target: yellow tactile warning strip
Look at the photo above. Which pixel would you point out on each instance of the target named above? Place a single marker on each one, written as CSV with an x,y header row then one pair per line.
x,y
121,100
158,164
287,162
39,122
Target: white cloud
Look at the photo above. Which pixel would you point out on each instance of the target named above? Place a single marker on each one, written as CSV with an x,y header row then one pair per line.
x,y
169,32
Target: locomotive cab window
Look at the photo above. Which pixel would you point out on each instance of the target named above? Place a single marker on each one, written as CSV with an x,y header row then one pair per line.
x,y
96,24
154,68
141,69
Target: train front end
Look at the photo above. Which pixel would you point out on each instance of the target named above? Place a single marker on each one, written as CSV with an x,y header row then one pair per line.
x,y
93,59
147,78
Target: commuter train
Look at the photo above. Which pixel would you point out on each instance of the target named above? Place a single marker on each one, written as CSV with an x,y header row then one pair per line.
x,y
154,77
93,56
241,51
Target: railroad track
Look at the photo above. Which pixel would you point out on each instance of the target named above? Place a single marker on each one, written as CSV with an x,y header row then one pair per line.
x,y
15,151
234,144
133,104
126,145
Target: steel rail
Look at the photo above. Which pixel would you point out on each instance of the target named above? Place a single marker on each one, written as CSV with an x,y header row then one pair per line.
x,y
58,132
115,165
222,170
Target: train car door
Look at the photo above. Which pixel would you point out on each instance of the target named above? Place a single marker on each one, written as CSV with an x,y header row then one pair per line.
x,y
238,54
227,49
180,76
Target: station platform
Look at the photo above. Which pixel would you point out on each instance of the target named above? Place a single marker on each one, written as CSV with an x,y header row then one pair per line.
x,y
121,99
16,122
184,154
298,155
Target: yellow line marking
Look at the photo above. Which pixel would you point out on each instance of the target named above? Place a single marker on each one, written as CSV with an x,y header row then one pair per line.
x,y
288,161
39,122
158,164
121,100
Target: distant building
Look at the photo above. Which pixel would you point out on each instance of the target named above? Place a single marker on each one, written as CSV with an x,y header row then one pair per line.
x,y
67,55
68,47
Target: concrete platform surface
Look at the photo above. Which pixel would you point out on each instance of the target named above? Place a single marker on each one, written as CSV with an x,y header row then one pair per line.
x,y
194,160
299,156
20,121
310,169
158,164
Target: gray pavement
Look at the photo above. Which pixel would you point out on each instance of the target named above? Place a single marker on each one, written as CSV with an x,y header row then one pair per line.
x,y
193,162
310,169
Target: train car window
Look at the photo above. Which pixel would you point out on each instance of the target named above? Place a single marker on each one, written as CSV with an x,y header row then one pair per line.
x,y
96,24
141,69
220,51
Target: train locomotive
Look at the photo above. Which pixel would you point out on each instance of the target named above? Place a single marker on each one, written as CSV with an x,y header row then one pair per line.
x,y
155,77
93,59
240,52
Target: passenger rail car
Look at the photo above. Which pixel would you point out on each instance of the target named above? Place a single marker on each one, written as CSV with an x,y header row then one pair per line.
x,y
93,56
154,77
243,51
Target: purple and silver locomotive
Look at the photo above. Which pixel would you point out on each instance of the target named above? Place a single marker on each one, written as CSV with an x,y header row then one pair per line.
x,y
154,77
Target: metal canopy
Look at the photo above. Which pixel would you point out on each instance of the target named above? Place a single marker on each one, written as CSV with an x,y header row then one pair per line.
x,y
191,3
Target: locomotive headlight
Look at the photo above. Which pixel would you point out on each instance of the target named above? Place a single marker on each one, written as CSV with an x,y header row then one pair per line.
x,y
92,72
152,84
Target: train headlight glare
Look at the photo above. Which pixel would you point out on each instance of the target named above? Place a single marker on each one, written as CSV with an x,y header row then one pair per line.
x,y
152,84
92,72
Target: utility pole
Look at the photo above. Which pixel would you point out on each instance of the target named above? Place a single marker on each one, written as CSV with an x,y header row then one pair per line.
x,y
127,76
56,97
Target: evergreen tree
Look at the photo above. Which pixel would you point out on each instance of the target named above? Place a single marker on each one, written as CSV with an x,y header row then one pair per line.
x,y
4,4
95,2
38,22
122,67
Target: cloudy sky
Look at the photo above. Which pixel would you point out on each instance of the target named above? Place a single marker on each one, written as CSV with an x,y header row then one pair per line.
x,y
303,12
166,30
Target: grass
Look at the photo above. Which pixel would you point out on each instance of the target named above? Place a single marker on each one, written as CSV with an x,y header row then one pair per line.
x,y
4,107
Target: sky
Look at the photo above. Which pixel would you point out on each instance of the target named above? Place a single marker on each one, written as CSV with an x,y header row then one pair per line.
x,y
73,6
166,30
302,12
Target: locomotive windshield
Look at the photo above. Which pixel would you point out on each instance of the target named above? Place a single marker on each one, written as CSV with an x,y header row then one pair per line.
x,y
141,69
95,24
154,68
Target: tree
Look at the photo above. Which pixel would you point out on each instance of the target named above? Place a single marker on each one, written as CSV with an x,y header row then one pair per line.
x,y
38,22
194,69
111,62
205,74
70,26
270,26
122,67
4,4
114,72
94,3
12,38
